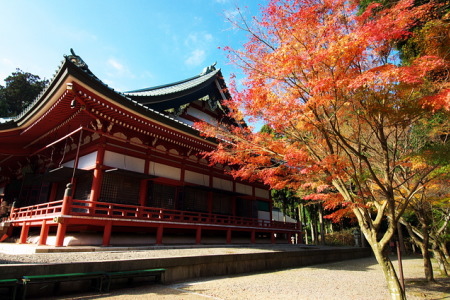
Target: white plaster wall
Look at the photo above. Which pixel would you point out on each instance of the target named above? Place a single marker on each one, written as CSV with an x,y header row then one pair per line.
x,y
279,216
201,115
121,161
222,184
261,193
264,215
197,178
85,162
244,189
165,171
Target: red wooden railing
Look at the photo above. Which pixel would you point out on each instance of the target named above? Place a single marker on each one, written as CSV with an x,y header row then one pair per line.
x,y
36,211
124,211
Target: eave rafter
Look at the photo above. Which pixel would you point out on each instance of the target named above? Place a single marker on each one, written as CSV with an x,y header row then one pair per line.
x,y
132,121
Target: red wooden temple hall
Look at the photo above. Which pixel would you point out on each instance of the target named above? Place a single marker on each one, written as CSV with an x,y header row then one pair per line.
x,y
87,165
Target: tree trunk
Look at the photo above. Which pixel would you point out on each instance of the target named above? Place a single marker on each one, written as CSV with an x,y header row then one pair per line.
x,y
444,250
313,224
441,260
422,240
400,238
322,226
379,247
382,257
305,236
313,227
301,222
427,266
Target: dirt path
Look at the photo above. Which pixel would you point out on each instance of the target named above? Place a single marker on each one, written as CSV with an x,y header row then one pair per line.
x,y
355,279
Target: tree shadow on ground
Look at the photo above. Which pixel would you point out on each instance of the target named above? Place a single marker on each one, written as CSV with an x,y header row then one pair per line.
x,y
419,287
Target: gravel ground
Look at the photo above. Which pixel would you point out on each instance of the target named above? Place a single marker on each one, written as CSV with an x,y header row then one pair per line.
x,y
18,254
353,279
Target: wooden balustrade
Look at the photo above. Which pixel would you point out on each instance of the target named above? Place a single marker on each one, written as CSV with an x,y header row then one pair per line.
x,y
38,210
124,211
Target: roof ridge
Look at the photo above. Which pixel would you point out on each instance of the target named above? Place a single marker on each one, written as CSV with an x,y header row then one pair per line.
x,y
162,86
206,72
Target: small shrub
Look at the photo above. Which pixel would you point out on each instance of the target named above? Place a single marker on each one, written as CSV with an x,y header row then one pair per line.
x,y
341,238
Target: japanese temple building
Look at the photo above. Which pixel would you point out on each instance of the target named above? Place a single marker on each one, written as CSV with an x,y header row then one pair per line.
x,y
109,167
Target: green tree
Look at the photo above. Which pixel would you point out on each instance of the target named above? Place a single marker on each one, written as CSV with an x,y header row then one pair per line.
x,y
20,89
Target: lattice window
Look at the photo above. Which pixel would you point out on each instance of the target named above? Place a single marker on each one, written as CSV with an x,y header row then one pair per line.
x,y
119,188
161,195
246,208
83,186
33,191
195,199
222,203
60,190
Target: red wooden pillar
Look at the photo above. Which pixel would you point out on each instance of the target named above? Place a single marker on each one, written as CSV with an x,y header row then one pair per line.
x,y
272,237
159,234
60,234
210,202
182,172
67,202
233,200
53,191
198,235
143,187
107,234
270,207
44,233
210,196
253,237
143,193
233,206
300,237
228,236
98,174
24,233
8,233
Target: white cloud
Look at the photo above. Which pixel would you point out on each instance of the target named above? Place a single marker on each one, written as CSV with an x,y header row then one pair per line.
x,y
208,37
115,65
196,39
232,15
197,44
196,57
116,69
147,75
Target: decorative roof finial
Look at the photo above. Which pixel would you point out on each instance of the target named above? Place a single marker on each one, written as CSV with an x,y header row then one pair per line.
x,y
209,69
77,61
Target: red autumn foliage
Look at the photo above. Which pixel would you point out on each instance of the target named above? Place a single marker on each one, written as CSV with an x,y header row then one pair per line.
x,y
329,84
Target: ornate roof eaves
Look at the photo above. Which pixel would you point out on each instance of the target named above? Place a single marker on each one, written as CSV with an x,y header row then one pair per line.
x,y
79,70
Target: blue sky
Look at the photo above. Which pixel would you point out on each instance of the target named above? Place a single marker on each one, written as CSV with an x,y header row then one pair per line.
x,y
129,44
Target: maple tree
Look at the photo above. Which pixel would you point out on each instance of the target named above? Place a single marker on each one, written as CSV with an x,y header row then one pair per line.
x,y
329,83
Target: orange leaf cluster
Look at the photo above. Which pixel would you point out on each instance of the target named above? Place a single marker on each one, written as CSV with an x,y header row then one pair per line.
x,y
329,85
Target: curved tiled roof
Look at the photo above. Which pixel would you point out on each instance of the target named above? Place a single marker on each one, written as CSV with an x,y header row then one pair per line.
x,y
175,87
178,94
153,100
